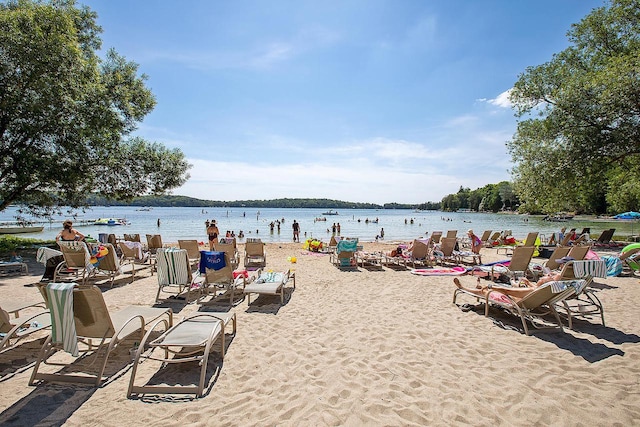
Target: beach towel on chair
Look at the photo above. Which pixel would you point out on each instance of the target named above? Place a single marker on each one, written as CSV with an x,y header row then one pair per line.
x,y
213,260
593,268
63,327
174,264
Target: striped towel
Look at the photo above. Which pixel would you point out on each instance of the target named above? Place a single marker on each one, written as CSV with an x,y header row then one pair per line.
x,y
63,327
272,277
44,254
614,265
561,285
173,266
213,260
590,267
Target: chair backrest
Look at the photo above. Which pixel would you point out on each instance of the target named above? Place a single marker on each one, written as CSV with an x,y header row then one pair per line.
x,y
447,245
229,240
5,322
110,261
606,236
154,242
192,248
485,236
452,233
222,275
521,258
229,248
537,297
76,254
579,252
420,249
436,236
111,238
92,318
173,266
531,239
132,237
495,236
254,248
558,252
130,252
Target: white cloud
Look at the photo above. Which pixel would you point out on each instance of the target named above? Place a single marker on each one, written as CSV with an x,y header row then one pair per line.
x,y
501,100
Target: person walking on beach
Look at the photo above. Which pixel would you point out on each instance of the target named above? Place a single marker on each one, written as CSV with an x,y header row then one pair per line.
x,y
212,234
382,233
296,231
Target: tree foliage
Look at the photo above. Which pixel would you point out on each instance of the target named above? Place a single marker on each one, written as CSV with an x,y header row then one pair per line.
x,y
578,136
66,115
490,198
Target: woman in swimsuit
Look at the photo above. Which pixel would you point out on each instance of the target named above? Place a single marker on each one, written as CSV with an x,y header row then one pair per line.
x,y
212,232
68,233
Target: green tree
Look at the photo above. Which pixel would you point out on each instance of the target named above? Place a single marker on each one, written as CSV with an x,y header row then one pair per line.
x,y
66,115
579,116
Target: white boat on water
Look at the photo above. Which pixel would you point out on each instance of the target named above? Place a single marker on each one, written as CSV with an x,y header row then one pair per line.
x,y
330,212
110,221
20,229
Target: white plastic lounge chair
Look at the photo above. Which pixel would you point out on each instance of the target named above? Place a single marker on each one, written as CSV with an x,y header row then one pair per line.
x,y
14,328
190,340
79,317
270,283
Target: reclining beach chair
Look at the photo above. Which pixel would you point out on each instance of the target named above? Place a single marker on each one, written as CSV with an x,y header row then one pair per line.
x,y
446,252
77,262
344,256
154,242
14,328
530,240
229,247
604,241
193,251
254,254
270,283
558,253
132,253
485,236
79,317
216,277
518,265
174,273
132,237
493,240
435,237
109,265
190,340
585,304
420,255
537,305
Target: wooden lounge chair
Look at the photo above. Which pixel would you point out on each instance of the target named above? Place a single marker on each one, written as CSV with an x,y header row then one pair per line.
x,y
80,317
270,283
190,340
14,328
174,273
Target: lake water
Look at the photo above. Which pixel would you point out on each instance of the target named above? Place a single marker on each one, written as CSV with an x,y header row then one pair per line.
x,y
189,223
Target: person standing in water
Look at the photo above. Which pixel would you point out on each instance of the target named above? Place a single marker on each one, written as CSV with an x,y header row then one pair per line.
x,y
296,231
212,234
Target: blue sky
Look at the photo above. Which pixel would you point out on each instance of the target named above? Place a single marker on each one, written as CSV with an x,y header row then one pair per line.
x,y
368,101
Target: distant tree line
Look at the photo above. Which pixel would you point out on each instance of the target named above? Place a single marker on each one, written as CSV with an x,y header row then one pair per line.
x,y
490,198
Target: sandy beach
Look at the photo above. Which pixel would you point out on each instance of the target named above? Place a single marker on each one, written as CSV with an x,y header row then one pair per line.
x,y
365,347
